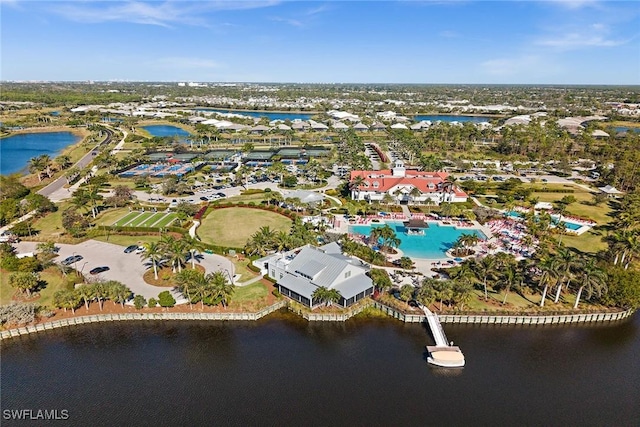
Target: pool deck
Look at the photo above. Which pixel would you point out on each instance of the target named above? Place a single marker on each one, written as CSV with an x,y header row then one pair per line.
x,y
423,265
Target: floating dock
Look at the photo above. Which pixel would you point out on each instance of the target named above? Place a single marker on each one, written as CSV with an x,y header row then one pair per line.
x,y
443,354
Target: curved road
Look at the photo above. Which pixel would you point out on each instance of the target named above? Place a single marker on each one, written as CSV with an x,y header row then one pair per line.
x,y
80,164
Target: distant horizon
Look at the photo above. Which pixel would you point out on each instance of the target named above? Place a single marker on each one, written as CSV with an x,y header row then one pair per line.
x,y
91,81
547,42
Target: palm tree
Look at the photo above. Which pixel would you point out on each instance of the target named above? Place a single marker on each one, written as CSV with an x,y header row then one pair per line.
x,y
194,246
510,277
415,193
484,269
355,184
174,251
100,293
87,293
155,254
186,282
118,292
328,296
546,265
592,278
37,165
565,262
63,161
221,287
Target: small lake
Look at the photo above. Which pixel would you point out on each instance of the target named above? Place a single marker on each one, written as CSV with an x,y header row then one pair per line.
x,y
260,114
165,130
452,118
626,129
16,150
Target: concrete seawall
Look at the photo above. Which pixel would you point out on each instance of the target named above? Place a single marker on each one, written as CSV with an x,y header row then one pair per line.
x,y
321,317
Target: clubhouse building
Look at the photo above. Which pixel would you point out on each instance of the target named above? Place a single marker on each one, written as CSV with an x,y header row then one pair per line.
x,y
405,186
300,272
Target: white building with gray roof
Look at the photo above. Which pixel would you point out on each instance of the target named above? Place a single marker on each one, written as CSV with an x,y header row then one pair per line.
x,y
300,272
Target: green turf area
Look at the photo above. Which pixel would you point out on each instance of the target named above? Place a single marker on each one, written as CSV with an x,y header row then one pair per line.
x,y
591,241
167,220
125,219
55,282
582,208
151,220
252,292
233,226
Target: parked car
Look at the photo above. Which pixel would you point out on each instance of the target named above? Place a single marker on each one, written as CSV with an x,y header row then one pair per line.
x,y
130,249
204,198
72,259
99,270
221,195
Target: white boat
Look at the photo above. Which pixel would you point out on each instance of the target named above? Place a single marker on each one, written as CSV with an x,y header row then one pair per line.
x,y
445,357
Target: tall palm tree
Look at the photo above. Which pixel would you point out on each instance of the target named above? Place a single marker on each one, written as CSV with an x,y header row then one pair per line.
x,y
86,293
100,293
193,246
510,277
328,296
155,254
36,165
565,263
485,269
221,287
355,184
186,282
546,266
63,161
592,278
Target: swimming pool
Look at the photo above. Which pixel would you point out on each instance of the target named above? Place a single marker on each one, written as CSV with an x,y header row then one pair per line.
x,y
554,218
433,244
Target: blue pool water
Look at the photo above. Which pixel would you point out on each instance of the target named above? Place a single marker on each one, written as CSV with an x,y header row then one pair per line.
x,y
165,130
568,224
626,129
16,150
434,244
451,118
269,115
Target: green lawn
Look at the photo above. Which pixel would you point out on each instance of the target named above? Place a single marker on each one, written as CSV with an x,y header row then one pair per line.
x,y
125,219
233,226
53,277
252,292
600,214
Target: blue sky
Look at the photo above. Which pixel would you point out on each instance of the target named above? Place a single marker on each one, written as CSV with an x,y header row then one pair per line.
x,y
455,41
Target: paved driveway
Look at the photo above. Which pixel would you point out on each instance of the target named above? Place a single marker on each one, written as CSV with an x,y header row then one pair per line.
x,y
125,268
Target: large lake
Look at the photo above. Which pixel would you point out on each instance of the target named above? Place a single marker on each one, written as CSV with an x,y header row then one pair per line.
x,y
285,371
165,130
259,114
16,150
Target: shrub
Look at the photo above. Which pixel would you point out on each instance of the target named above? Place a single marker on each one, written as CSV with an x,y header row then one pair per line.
x,y
276,294
139,302
153,302
166,299
267,190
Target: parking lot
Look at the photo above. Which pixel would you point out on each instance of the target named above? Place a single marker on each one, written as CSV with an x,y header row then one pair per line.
x,y
123,267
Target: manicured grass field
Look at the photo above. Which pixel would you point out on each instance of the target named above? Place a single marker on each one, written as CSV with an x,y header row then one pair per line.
x,y
250,292
123,240
233,226
146,219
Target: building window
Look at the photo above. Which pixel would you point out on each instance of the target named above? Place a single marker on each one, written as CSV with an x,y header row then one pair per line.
x,y
376,184
347,274
281,275
273,273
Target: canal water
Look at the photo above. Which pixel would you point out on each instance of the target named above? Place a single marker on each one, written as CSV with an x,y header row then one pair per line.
x,y
165,130
283,370
17,150
259,114
451,118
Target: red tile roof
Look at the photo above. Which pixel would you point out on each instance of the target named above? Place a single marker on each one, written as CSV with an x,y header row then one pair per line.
x,y
421,180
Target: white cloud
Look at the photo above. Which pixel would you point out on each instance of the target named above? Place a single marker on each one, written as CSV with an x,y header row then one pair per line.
x,y
163,14
448,34
594,35
290,21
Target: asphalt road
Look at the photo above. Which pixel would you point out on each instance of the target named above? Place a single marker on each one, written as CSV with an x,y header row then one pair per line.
x,y
80,164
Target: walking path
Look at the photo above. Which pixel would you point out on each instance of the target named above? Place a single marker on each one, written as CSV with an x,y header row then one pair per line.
x,y
118,147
